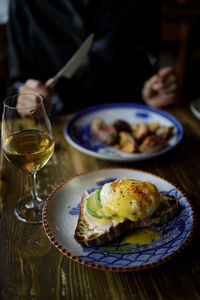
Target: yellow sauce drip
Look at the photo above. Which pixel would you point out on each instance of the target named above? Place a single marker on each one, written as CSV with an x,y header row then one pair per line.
x,y
142,236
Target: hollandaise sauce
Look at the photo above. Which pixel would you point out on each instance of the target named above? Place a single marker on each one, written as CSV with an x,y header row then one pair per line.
x,y
142,236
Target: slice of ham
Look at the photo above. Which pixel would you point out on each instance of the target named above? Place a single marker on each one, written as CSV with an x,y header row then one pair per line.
x,y
105,133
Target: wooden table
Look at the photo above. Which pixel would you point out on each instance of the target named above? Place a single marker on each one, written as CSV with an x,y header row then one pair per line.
x,y
32,268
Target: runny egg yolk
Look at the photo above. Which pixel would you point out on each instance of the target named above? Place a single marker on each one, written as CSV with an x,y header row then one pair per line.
x,y
129,199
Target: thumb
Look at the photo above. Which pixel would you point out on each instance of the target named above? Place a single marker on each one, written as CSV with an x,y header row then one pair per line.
x,y
48,83
148,90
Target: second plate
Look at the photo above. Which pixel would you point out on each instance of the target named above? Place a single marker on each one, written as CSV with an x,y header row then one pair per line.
x,y
77,130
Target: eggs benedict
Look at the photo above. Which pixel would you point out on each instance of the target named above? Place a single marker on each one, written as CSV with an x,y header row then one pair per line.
x,y
119,206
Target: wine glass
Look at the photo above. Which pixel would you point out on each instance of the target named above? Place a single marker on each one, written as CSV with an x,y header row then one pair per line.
x,y
28,143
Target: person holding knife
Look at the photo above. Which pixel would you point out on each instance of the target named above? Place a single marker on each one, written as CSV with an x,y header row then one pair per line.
x,y
120,66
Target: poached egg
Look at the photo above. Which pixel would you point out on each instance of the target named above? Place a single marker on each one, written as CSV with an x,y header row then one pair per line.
x,y
129,199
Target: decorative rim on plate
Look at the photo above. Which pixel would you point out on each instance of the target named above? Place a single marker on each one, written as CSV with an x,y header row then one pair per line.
x,y
85,144
110,268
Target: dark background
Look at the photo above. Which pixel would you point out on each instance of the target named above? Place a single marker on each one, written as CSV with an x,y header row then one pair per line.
x,y
180,46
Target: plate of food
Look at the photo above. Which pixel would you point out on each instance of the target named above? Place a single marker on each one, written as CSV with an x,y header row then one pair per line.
x,y
118,219
123,131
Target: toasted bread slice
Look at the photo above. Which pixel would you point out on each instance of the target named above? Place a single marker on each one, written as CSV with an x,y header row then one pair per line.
x,y
90,236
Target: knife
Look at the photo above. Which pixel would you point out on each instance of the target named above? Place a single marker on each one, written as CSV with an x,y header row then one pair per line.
x,y
75,61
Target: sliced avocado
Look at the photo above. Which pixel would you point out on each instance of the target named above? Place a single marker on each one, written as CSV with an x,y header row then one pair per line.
x,y
98,197
92,207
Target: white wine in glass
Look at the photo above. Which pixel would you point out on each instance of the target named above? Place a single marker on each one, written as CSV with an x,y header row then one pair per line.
x,y
28,143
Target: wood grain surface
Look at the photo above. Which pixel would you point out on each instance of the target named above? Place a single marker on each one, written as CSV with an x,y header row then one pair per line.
x,y
32,268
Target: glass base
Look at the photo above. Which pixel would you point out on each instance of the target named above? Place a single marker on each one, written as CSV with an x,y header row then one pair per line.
x,y
26,210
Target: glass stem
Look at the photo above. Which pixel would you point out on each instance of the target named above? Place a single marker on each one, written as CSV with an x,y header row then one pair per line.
x,y
34,189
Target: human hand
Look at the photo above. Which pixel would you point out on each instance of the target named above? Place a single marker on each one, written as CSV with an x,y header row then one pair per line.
x,y
35,86
161,89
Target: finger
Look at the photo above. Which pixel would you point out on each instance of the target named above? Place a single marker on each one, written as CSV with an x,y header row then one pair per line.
x,y
46,93
154,79
149,86
33,84
161,101
173,87
27,97
26,101
40,89
170,79
48,82
165,72
27,104
171,83
157,86
24,89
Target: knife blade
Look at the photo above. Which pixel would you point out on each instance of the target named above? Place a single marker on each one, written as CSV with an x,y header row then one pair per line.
x,y
75,61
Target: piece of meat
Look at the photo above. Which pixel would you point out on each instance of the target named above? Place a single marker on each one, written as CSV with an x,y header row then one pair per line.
x,y
127,142
106,134
164,132
153,127
121,125
130,148
140,131
152,144
124,138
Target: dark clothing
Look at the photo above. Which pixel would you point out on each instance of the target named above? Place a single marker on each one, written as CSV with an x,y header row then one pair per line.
x,y
44,34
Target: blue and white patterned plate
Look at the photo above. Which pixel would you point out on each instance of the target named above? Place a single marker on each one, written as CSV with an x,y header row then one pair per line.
x,y
77,130
61,214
